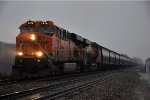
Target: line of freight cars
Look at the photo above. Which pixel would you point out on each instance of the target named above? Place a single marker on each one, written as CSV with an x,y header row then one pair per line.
x,y
43,48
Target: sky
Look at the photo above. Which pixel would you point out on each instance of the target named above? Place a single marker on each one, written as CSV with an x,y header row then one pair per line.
x,y
122,26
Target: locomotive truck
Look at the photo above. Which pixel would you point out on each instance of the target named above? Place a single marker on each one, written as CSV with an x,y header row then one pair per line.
x,y
43,48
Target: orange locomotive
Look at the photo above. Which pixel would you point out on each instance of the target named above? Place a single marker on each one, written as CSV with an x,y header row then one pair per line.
x,y
43,48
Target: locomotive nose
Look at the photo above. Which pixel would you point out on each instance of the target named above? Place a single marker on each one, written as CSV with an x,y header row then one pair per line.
x,y
31,36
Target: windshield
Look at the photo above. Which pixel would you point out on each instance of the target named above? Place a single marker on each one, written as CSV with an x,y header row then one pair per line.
x,y
28,29
45,30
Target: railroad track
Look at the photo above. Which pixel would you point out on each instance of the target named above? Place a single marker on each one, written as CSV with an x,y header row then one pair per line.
x,y
53,87
74,88
10,81
17,86
25,80
19,80
51,82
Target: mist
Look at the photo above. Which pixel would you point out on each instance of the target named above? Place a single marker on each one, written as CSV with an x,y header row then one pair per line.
x,y
7,52
122,26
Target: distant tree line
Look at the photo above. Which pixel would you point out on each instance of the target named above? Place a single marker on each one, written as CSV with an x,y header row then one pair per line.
x,y
140,65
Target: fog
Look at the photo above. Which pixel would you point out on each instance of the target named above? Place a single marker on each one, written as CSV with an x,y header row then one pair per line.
x,y
7,52
120,26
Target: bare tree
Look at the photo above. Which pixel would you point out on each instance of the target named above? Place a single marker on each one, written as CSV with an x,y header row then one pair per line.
x,y
139,64
138,61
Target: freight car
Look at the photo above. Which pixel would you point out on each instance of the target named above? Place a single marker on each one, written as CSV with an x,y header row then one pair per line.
x,y
42,48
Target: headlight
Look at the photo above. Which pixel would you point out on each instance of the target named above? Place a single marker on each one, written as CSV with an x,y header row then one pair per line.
x,y
32,37
20,53
30,22
39,54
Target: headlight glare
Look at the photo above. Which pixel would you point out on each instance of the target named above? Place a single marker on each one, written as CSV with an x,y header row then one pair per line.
x,y
32,37
20,53
39,54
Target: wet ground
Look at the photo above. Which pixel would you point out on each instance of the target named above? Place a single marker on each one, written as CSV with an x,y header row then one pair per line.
x,y
143,89
145,77
129,85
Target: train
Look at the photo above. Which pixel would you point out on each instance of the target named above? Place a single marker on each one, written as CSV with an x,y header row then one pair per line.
x,y
45,49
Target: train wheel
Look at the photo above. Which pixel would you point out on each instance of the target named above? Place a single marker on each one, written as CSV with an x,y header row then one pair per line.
x,y
99,67
78,68
81,67
52,70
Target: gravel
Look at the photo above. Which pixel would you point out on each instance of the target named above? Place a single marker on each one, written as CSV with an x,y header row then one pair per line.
x,y
143,88
126,86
